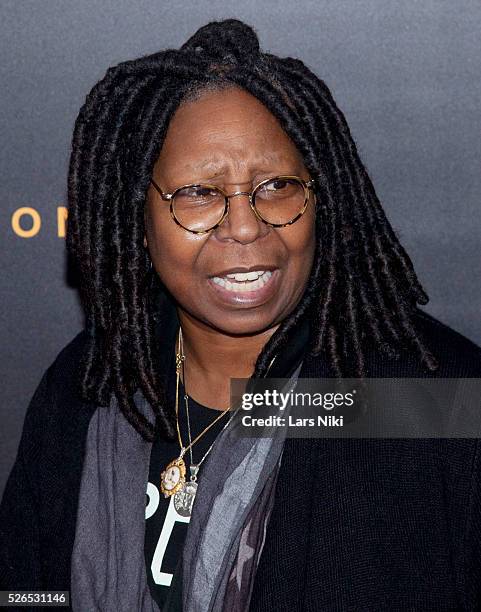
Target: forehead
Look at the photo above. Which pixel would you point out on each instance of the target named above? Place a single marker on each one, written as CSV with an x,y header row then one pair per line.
x,y
224,127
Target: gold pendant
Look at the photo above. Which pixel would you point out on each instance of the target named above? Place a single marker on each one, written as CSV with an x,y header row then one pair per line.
x,y
172,478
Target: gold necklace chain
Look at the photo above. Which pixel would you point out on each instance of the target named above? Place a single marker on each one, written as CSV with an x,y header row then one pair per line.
x,y
172,479
180,357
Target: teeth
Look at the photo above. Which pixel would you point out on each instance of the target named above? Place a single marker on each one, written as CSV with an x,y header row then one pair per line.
x,y
243,276
243,281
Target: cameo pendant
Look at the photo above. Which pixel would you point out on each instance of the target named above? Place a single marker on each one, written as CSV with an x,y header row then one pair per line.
x,y
172,478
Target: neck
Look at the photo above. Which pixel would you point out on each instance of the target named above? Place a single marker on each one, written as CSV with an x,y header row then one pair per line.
x,y
212,358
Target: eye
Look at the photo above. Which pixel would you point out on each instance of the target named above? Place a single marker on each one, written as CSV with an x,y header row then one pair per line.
x,y
276,185
198,192
280,188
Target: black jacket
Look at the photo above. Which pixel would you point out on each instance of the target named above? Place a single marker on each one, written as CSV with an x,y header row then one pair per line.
x,y
358,525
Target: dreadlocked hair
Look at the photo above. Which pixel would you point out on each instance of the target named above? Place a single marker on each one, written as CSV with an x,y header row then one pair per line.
x,y
362,288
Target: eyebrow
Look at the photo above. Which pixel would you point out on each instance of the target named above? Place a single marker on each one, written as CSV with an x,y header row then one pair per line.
x,y
217,165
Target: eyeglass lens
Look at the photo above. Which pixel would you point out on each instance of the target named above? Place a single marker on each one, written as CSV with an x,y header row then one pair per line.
x,y
201,207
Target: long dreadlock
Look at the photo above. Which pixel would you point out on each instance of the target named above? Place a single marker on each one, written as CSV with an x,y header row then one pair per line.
x,y
362,288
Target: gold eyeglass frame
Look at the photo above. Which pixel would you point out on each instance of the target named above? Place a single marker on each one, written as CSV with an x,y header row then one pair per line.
x,y
251,194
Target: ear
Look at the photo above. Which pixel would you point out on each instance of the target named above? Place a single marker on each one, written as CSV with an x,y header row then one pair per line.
x,y
145,241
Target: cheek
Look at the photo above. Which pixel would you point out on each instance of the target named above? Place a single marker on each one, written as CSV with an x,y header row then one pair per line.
x,y
174,252
300,243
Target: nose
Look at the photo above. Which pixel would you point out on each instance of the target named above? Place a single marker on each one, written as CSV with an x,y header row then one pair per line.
x,y
241,223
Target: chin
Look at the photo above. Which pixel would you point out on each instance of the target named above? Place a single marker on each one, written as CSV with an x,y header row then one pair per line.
x,y
242,324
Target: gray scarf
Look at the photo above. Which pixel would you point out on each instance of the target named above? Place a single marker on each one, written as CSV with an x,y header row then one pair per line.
x,y
226,531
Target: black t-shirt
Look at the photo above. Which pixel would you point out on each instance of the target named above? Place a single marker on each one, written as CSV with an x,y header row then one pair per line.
x,y
165,529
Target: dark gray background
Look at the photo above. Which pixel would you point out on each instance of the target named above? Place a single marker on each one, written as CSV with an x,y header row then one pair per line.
x,y
406,74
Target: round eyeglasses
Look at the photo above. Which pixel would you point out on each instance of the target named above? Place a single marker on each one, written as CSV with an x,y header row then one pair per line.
x,y
200,208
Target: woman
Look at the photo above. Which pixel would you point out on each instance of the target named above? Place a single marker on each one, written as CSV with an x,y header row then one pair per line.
x,y
224,227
